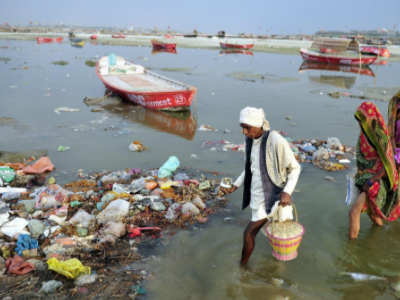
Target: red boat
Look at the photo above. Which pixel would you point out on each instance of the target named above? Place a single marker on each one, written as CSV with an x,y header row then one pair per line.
x,y
336,51
93,37
136,84
236,46
382,51
43,40
168,36
161,45
118,36
235,52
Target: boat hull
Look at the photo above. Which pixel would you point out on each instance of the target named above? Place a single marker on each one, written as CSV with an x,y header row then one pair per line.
x,y
383,52
179,100
43,40
235,46
340,60
163,45
93,37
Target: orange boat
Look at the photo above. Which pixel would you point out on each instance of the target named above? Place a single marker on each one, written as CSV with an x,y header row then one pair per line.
x,y
162,45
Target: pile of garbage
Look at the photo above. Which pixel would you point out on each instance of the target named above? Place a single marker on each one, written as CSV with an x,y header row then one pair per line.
x,y
319,152
77,229
313,151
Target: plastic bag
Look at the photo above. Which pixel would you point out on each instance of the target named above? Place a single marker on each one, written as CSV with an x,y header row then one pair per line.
x,y
10,196
321,154
114,228
85,279
309,148
197,200
115,211
36,227
158,206
168,167
13,227
47,201
190,207
62,212
169,216
83,219
157,192
29,204
18,266
352,191
7,174
71,268
181,177
141,182
25,242
334,143
4,218
49,287
125,188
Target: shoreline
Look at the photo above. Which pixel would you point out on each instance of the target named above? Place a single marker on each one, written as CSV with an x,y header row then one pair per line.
x,y
260,45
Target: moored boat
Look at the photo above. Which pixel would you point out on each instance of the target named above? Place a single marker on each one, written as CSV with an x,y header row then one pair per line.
x,y
336,51
49,40
118,36
162,45
93,37
374,50
236,46
136,84
77,42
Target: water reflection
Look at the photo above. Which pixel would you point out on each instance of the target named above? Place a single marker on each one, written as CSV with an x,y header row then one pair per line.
x,y
340,76
226,52
182,123
160,50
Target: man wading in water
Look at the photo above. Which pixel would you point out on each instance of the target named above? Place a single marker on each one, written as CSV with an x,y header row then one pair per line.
x,y
271,173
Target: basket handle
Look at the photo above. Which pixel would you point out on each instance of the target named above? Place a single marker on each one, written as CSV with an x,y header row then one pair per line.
x,y
276,214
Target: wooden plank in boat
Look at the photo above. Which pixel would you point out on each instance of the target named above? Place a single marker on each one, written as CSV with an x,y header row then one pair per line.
x,y
136,81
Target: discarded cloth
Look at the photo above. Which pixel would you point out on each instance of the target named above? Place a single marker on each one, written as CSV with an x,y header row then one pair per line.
x,y
71,268
18,266
25,242
42,165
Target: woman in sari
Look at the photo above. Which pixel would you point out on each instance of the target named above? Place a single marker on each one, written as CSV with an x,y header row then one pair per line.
x,y
376,176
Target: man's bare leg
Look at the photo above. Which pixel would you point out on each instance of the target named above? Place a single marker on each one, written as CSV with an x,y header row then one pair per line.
x,y
354,216
249,236
376,220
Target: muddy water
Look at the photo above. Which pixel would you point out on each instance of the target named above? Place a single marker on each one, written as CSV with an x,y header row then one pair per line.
x,y
203,264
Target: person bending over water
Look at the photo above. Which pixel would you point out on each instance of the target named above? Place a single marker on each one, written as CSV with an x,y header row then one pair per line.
x,y
271,173
376,176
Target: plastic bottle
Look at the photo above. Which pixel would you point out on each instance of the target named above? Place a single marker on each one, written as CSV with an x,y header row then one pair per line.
x,y
169,216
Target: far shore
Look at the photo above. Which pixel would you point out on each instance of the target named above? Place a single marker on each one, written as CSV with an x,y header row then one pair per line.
x,y
260,45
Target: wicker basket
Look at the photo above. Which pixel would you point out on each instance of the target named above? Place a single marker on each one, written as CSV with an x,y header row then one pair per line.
x,y
284,237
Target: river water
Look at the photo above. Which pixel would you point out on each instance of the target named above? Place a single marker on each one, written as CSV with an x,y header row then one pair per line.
x,y
203,264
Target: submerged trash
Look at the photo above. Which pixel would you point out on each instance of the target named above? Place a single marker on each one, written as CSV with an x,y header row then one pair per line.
x,y
65,109
363,277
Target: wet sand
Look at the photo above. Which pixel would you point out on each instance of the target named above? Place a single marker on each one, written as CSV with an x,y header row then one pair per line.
x,y
260,45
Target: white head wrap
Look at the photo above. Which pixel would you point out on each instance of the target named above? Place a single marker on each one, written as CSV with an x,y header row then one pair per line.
x,y
254,117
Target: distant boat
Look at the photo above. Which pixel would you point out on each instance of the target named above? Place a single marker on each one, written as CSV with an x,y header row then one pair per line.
x,y
118,36
77,42
162,45
190,35
93,37
136,84
43,40
168,36
336,51
236,46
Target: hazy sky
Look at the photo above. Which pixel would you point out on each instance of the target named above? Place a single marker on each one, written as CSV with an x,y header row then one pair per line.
x,y
233,16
